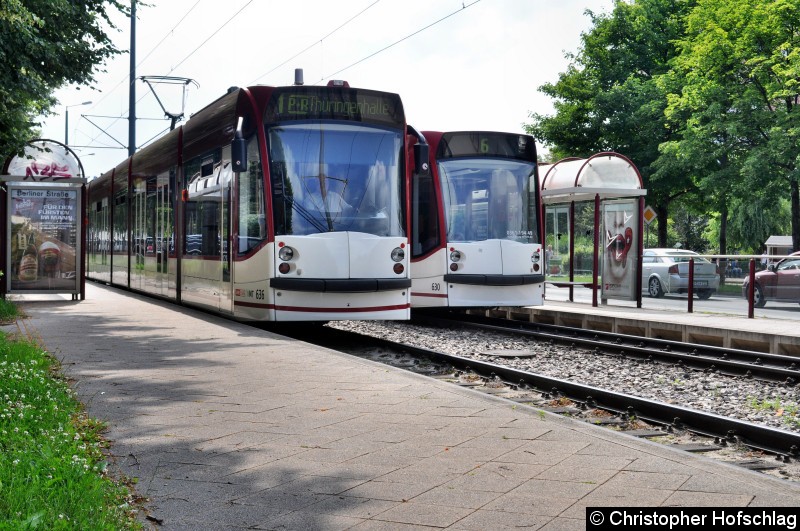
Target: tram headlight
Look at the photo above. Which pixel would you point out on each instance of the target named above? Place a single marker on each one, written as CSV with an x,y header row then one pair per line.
x,y
398,254
455,256
536,256
286,253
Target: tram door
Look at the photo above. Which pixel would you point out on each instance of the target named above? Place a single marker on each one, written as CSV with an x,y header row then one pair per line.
x,y
159,227
206,264
226,282
138,232
151,230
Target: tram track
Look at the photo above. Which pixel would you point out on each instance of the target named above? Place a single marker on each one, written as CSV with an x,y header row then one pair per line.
x,y
734,362
758,446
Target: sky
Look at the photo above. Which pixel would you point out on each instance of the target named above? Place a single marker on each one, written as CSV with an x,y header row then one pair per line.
x,y
456,64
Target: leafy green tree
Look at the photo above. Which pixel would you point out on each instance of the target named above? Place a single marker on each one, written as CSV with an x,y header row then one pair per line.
x,y
738,78
45,45
609,98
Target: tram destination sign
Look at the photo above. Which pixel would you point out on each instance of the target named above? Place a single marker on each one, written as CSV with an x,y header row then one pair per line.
x,y
335,103
487,144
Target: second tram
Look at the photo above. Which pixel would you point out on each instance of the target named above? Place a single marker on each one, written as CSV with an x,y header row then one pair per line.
x,y
476,222
270,204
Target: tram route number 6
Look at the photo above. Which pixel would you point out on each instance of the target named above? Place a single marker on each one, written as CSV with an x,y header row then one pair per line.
x,y
436,286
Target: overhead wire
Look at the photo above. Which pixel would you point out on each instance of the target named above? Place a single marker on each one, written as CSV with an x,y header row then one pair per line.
x,y
319,41
463,7
348,21
122,116
170,32
123,80
210,37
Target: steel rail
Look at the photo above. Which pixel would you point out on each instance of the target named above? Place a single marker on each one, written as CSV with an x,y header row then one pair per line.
x,y
772,367
772,440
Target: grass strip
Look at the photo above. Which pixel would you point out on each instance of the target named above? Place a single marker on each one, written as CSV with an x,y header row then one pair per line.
x,y
53,471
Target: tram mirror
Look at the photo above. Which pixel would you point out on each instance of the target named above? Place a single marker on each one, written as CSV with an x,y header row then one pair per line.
x,y
421,158
239,153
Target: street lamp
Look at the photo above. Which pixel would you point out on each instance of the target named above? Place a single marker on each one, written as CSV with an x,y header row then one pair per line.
x,y
66,119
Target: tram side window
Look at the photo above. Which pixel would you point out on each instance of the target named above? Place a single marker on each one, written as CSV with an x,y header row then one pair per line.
x,y
426,217
121,222
202,210
252,213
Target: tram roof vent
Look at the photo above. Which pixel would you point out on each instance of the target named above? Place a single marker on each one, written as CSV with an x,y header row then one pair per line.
x,y
298,76
338,83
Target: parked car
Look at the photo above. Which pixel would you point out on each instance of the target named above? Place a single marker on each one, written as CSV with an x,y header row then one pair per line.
x,y
667,271
779,282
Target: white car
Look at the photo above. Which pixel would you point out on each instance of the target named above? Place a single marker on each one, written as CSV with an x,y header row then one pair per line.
x,y
667,271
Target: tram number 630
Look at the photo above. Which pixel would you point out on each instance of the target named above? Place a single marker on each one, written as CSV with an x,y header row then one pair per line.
x,y
436,286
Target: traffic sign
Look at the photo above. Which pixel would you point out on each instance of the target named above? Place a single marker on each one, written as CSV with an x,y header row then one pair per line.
x,y
649,215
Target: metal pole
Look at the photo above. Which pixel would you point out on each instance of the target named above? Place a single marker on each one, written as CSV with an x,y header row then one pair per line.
x,y
132,87
595,262
571,250
751,289
66,126
639,253
691,285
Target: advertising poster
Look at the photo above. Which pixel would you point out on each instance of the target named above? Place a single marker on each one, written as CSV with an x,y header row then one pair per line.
x,y
620,266
44,235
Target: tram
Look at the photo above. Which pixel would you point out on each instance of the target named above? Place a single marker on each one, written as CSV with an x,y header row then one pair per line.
x,y
476,223
270,204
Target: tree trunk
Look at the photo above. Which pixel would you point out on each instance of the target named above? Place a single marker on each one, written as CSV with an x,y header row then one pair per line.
x,y
723,241
795,216
661,215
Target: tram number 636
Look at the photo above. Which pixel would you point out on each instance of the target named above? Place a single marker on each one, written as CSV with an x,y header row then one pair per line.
x,y
436,286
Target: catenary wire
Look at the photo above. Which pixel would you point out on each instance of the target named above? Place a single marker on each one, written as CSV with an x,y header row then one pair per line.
x,y
463,7
304,50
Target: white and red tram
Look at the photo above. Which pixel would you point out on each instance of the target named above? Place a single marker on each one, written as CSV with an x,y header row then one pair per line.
x,y
270,204
476,223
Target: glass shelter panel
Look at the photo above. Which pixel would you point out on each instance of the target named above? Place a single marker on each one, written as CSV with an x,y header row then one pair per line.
x,y
557,229
584,239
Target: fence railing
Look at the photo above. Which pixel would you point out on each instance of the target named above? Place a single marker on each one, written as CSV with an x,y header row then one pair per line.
x,y
738,267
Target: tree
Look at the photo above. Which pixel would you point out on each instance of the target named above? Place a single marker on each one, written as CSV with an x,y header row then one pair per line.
x,y
45,45
739,70
609,99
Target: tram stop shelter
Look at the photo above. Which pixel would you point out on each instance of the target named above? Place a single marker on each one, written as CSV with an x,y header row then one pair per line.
x,y
778,245
582,200
42,213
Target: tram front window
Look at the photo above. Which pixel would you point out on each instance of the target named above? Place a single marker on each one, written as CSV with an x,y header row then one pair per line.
x,y
488,199
330,177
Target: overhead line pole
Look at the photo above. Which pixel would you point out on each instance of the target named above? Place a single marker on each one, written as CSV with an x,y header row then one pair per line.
x,y
132,87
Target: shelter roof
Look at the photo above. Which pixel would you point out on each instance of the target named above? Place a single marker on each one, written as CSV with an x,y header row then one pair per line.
x,y
779,241
607,174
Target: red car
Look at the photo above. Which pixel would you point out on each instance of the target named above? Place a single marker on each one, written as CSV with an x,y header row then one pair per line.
x,y
779,282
